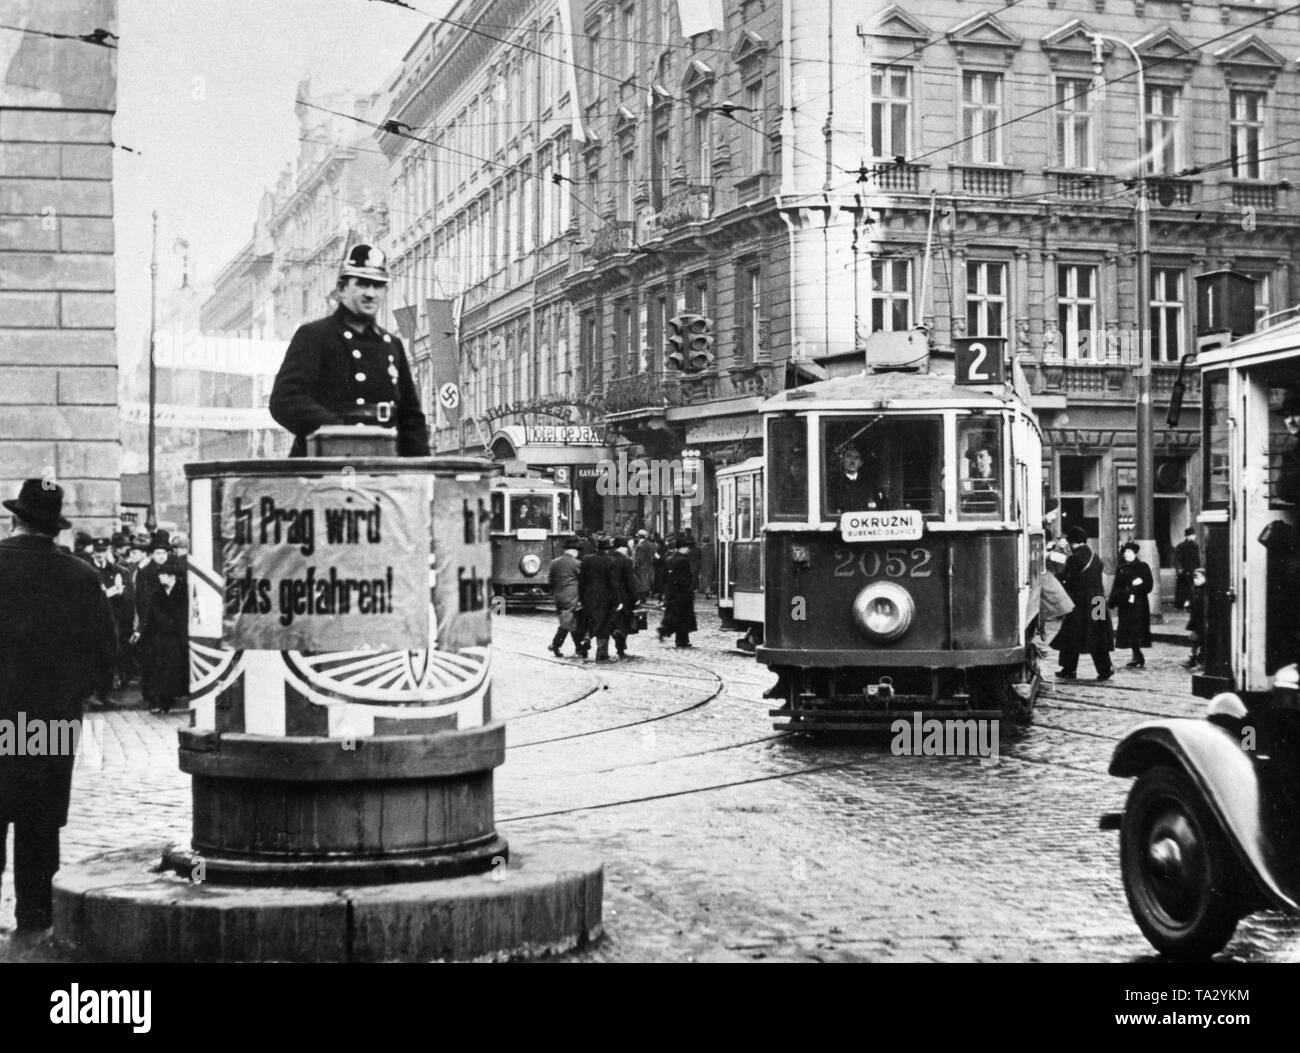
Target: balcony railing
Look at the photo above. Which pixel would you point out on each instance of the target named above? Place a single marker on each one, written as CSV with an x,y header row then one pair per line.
x,y
1251,195
1081,187
899,179
984,182
613,238
643,392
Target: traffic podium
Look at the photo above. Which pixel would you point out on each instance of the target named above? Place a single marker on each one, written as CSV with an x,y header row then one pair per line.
x,y
343,747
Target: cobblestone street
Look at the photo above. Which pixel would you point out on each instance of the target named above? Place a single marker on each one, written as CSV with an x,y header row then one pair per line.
x,y
726,840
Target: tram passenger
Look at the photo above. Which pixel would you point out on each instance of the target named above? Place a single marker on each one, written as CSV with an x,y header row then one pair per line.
x,y
345,369
1288,482
1087,628
1133,582
849,489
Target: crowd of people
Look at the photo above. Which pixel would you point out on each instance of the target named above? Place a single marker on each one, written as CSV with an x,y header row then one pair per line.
x,y
601,581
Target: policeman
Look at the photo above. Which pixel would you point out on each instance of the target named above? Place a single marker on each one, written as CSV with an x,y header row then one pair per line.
x,y
345,369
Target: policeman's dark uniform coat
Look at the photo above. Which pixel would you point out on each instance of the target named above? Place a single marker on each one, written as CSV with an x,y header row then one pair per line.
x,y
1131,604
341,366
57,647
1087,628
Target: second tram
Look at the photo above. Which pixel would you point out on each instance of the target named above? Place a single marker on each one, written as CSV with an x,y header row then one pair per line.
x,y
530,519
740,549
903,548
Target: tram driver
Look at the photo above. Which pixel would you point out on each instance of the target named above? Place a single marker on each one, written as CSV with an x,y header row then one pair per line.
x,y
849,489
980,491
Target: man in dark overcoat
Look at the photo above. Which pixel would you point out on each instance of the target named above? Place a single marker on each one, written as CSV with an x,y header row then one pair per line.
x,y
345,369
164,638
599,596
1187,557
623,577
564,578
57,647
1129,596
679,595
146,583
1087,628
115,581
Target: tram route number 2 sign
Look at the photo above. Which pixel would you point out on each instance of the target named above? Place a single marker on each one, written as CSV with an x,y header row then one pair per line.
x,y
904,525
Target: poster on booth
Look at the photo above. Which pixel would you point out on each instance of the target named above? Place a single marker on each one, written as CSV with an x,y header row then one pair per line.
x,y
326,564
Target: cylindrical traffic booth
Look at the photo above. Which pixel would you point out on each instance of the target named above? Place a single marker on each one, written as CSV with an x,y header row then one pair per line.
x,y
340,673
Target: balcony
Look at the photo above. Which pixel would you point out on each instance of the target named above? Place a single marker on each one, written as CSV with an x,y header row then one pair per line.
x,y
683,204
984,181
897,179
642,393
613,238
1081,186
1254,195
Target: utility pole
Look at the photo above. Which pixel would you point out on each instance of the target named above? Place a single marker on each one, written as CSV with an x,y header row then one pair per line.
x,y
152,521
1144,517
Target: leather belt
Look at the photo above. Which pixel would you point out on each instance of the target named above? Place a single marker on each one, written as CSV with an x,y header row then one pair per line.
x,y
381,413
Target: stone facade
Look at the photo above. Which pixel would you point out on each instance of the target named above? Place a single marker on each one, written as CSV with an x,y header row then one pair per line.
x,y
58,349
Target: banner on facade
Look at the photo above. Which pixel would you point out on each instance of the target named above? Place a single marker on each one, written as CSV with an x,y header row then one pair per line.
x,y
577,130
699,16
444,360
326,564
405,323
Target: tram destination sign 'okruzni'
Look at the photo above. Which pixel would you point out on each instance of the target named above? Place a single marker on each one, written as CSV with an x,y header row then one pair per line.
x,y
903,525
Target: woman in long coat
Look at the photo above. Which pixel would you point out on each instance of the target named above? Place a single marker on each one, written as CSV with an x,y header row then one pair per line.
x,y
164,639
679,595
1133,582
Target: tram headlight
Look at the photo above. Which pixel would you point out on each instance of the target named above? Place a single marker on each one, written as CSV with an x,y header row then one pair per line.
x,y
530,563
884,611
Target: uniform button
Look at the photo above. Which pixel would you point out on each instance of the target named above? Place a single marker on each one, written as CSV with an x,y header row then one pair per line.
x,y
347,335
356,353
387,339
361,402
390,358
360,377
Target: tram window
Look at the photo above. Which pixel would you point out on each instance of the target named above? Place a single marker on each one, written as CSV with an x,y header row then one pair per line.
x,y
564,515
530,511
1214,399
788,455
758,505
498,512
1284,443
979,460
883,462
744,508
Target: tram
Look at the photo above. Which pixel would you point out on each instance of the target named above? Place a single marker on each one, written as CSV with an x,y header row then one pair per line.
x,y
739,535
903,545
1210,831
530,519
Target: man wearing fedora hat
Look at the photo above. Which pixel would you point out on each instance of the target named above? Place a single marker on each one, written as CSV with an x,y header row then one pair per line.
x,y
57,647
1086,629
345,369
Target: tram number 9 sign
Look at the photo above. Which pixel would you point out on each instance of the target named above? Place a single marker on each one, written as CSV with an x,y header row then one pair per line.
x,y
979,359
881,526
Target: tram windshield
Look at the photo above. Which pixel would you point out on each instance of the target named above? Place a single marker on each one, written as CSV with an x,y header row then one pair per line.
x,y
980,489
882,462
787,446
531,511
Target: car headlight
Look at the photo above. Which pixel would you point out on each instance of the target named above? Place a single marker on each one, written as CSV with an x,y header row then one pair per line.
x,y
530,563
884,611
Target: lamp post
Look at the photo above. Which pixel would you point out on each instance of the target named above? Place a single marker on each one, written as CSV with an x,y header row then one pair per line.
x,y
152,520
1144,519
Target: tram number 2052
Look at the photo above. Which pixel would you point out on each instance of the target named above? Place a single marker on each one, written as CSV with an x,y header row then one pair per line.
x,y
891,562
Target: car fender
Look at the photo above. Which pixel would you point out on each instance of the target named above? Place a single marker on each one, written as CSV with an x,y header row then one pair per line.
x,y
1212,757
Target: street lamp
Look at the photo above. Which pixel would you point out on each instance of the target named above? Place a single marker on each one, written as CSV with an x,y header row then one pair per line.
x,y
1144,519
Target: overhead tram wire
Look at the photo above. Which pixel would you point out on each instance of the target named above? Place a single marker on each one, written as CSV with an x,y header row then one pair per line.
x,y
98,37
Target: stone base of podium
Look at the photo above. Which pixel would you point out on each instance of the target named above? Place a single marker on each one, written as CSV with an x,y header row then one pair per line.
x,y
124,907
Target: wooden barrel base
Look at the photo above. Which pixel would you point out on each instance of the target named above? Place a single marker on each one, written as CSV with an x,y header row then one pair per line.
x,y
314,873
120,907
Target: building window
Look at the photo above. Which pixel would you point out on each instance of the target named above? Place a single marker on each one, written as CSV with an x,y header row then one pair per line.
x,y
749,308
1165,127
657,330
1247,133
981,112
891,101
1076,304
627,186
628,33
660,162
703,146
1073,120
986,299
550,58
756,120
1166,314
586,378
1079,481
698,298
891,295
